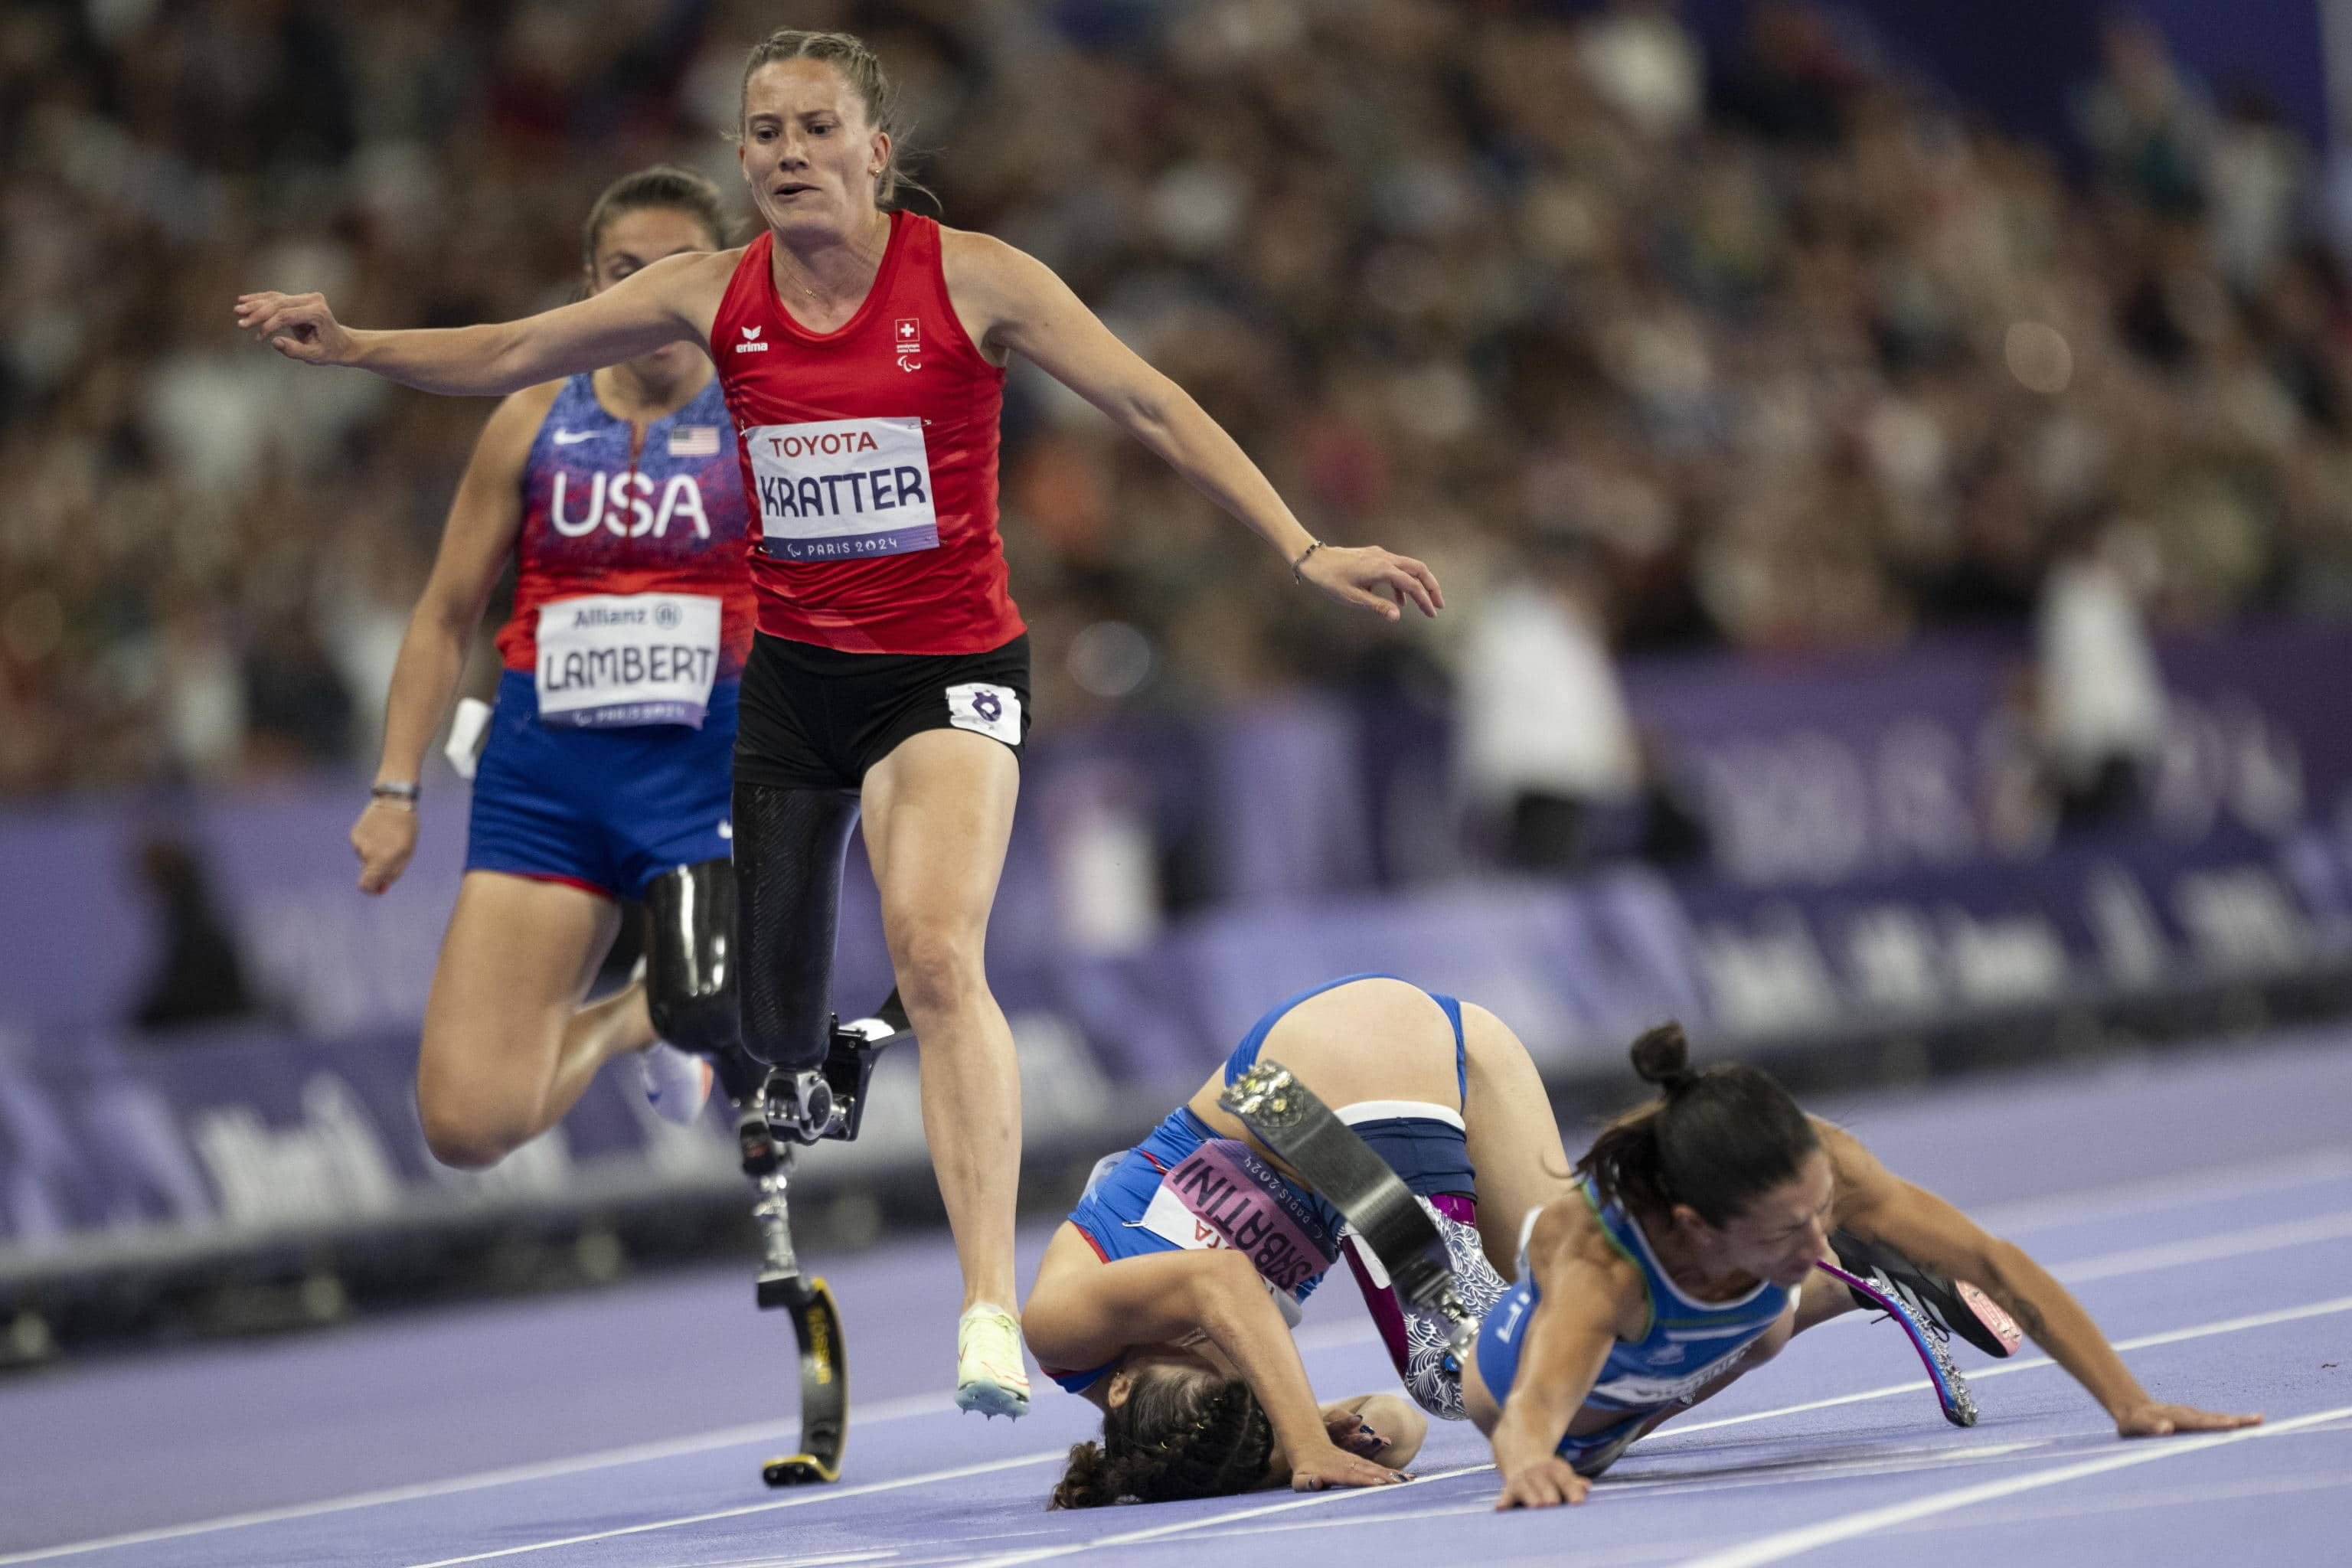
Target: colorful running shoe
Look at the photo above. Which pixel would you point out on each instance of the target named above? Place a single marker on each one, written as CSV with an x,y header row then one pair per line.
x,y
990,1375
1959,1406
1947,1306
677,1083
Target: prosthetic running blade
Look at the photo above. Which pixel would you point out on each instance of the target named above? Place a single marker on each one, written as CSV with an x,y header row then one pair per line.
x,y
1306,1135
824,1383
801,1109
1959,1406
816,1322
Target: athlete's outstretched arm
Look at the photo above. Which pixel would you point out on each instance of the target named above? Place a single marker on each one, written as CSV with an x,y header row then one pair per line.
x,y
1878,1206
1164,1296
1564,1345
1028,310
672,301
483,521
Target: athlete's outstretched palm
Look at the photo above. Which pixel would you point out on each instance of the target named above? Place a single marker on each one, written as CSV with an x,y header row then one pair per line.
x,y
2158,1419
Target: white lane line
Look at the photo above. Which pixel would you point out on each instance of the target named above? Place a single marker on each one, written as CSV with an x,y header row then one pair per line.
x,y
2215,1183
2169,1496
2208,1249
632,1454
1789,1543
2170,1336
798,1500
2084,1206
1132,1537
1894,1462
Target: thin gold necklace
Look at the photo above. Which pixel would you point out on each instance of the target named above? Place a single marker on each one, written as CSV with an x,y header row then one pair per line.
x,y
808,292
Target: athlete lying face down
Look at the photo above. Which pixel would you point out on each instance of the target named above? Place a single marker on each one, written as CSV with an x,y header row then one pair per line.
x,y
1167,1297
1676,1267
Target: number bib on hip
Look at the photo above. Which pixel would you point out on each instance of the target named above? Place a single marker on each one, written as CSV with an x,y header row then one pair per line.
x,y
843,490
1221,1194
611,660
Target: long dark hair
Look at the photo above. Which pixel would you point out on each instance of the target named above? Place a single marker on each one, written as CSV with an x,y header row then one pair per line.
x,y
1175,1437
1713,1140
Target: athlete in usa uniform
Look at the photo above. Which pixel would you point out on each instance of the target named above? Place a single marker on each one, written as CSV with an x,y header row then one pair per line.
x,y
890,675
606,772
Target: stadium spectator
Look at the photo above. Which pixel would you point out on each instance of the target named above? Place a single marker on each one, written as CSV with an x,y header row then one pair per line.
x,y
1814,358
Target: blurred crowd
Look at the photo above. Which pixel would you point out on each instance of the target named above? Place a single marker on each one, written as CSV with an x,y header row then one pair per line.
x,y
1778,351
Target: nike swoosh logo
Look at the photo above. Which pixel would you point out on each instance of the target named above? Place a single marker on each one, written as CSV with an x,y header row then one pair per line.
x,y
568,437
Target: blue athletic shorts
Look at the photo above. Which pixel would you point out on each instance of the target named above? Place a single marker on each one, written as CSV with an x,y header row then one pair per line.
x,y
608,810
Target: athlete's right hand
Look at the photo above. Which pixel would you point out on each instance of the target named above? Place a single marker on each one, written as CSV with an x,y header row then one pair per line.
x,y
298,326
385,837
1322,1469
1546,1482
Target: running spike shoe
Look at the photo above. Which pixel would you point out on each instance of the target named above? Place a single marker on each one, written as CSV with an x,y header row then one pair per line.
x,y
990,1375
1946,1306
1959,1406
677,1083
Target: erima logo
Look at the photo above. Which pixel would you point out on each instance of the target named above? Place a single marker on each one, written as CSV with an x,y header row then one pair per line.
x,y
569,438
750,345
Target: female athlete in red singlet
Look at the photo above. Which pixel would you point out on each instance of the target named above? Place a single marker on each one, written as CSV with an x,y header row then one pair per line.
x,y
863,354
606,775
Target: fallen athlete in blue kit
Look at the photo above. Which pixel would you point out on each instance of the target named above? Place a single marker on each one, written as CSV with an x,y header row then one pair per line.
x,y
1683,1252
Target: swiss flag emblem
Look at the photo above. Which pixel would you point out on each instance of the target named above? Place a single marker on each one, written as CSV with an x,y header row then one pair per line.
x,y
909,330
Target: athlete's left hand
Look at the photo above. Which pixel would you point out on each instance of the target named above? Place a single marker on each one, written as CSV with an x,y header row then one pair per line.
x,y
1328,1466
1371,578
384,838
1545,1482
2153,1418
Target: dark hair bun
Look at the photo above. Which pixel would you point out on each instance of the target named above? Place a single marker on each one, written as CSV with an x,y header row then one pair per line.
x,y
1662,1056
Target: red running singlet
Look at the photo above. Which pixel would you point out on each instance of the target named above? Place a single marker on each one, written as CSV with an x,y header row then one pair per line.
x,y
869,459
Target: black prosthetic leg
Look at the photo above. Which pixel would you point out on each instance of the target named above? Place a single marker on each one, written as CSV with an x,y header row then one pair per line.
x,y
804,1074
1291,1119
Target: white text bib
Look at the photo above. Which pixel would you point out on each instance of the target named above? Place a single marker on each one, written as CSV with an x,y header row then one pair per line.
x,y
612,659
843,490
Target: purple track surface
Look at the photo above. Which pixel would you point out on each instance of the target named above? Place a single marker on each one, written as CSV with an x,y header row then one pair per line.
x,y
2200,1206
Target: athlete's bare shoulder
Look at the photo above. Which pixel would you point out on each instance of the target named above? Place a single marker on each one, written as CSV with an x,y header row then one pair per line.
x,y
513,425
1568,1247
990,283
987,270
969,245
1861,1180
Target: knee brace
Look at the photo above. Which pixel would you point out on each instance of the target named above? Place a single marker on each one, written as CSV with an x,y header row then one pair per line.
x,y
691,957
789,845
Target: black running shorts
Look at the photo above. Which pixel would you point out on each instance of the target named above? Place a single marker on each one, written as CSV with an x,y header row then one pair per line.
x,y
817,718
